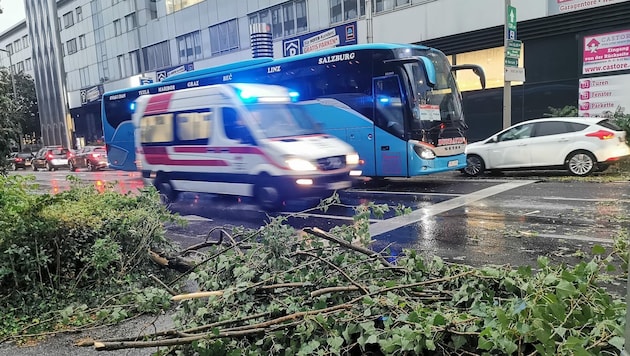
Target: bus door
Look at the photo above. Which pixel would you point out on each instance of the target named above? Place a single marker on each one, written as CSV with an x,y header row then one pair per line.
x,y
389,134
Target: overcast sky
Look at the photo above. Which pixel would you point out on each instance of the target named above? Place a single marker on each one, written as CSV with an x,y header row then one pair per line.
x,y
12,13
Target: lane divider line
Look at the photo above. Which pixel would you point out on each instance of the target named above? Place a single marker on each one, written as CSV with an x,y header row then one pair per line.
x,y
394,223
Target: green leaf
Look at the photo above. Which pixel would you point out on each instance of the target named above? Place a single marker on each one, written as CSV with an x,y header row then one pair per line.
x,y
335,342
598,250
617,342
565,289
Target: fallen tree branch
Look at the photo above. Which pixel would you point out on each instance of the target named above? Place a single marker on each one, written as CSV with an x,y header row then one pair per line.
x,y
359,286
317,293
323,234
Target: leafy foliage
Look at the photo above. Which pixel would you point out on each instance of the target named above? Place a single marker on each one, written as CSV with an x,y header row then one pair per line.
x,y
291,293
72,249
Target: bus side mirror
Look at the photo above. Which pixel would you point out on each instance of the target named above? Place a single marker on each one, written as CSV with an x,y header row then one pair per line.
x,y
429,69
478,70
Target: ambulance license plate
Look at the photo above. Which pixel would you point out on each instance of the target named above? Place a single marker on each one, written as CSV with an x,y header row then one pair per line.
x,y
453,163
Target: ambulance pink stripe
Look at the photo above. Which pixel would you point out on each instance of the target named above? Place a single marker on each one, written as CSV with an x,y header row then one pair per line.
x,y
158,103
159,155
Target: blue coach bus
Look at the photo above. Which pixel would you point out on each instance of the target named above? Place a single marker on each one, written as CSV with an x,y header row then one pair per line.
x,y
398,105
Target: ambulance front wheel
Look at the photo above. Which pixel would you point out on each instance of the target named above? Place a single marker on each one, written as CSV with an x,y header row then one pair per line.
x,y
167,193
267,193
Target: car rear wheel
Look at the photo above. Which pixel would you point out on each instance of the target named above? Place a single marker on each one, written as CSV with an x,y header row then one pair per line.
x,y
49,166
91,167
267,193
14,166
34,166
474,166
72,167
581,163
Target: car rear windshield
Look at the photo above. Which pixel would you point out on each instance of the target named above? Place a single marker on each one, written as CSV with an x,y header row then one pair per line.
x,y
100,150
609,124
59,151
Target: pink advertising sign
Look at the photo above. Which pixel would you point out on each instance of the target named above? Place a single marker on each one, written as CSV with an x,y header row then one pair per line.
x,y
606,52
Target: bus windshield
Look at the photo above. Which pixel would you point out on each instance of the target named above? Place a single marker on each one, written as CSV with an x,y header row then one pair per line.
x,y
437,105
282,120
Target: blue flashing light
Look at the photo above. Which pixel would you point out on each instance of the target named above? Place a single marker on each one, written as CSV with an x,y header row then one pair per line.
x,y
246,96
294,95
384,99
132,107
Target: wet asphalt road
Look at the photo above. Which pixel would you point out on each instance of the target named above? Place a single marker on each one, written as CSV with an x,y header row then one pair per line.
x,y
510,220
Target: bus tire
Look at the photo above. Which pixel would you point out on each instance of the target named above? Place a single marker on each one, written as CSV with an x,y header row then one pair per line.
x,y
267,193
167,193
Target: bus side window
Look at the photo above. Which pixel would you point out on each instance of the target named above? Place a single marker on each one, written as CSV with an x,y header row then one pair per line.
x,y
235,128
389,114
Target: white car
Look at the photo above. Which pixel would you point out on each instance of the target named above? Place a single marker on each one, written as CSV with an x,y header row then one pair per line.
x,y
580,145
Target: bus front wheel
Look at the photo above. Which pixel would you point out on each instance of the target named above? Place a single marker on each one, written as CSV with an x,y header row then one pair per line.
x,y
164,186
267,193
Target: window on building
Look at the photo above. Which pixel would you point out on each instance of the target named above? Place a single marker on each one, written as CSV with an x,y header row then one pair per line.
x,y
121,66
19,67
492,62
176,5
152,7
402,2
130,20
84,76
189,47
343,10
25,41
82,44
17,45
63,49
134,62
28,63
117,27
71,46
285,20
9,48
156,56
224,37
79,12
276,21
68,19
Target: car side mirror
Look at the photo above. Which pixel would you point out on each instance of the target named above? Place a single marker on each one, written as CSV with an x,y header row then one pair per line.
x,y
493,139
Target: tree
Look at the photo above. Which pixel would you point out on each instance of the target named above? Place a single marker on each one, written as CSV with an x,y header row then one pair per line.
x,y
18,115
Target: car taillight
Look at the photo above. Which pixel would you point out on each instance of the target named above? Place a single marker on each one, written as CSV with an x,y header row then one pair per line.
x,y
601,134
95,155
50,156
18,159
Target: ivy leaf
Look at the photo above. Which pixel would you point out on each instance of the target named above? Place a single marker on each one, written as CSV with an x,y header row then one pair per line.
x,y
335,343
617,342
598,250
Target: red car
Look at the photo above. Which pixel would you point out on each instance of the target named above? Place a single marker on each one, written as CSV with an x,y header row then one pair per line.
x,y
91,157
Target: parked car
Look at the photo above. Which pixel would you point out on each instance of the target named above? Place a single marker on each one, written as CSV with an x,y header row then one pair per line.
x,y
51,158
91,157
580,145
17,160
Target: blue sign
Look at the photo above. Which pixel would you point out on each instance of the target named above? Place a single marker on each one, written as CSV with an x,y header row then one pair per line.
x,y
337,36
145,81
160,75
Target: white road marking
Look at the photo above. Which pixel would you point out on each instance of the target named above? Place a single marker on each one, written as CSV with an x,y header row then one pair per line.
x,y
309,215
582,199
195,218
576,238
388,225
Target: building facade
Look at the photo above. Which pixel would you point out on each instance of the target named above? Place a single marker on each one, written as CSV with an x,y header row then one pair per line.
x,y
574,52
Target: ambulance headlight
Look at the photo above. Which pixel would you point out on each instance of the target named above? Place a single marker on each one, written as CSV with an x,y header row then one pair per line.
x,y
299,164
352,159
424,152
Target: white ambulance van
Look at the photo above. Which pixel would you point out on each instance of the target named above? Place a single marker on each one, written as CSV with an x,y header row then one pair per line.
x,y
238,139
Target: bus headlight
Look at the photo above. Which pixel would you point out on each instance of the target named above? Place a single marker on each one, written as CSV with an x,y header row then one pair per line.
x,y
352,159
424,152
299,164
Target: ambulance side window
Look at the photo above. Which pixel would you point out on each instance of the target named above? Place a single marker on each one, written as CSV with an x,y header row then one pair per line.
x,y
235,128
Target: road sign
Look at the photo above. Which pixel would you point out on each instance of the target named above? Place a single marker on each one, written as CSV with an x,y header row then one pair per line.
x,y
514,74
513,53
511,62
515,44
510,23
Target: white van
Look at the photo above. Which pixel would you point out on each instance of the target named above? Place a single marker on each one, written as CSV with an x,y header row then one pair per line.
x,y
238,139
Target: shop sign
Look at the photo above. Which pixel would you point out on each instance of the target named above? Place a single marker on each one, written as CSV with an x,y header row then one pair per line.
x,y
92,94
606,52
561,6
602,96
341,35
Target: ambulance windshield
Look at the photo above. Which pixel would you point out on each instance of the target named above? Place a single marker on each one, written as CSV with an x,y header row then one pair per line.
x,y
282,120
